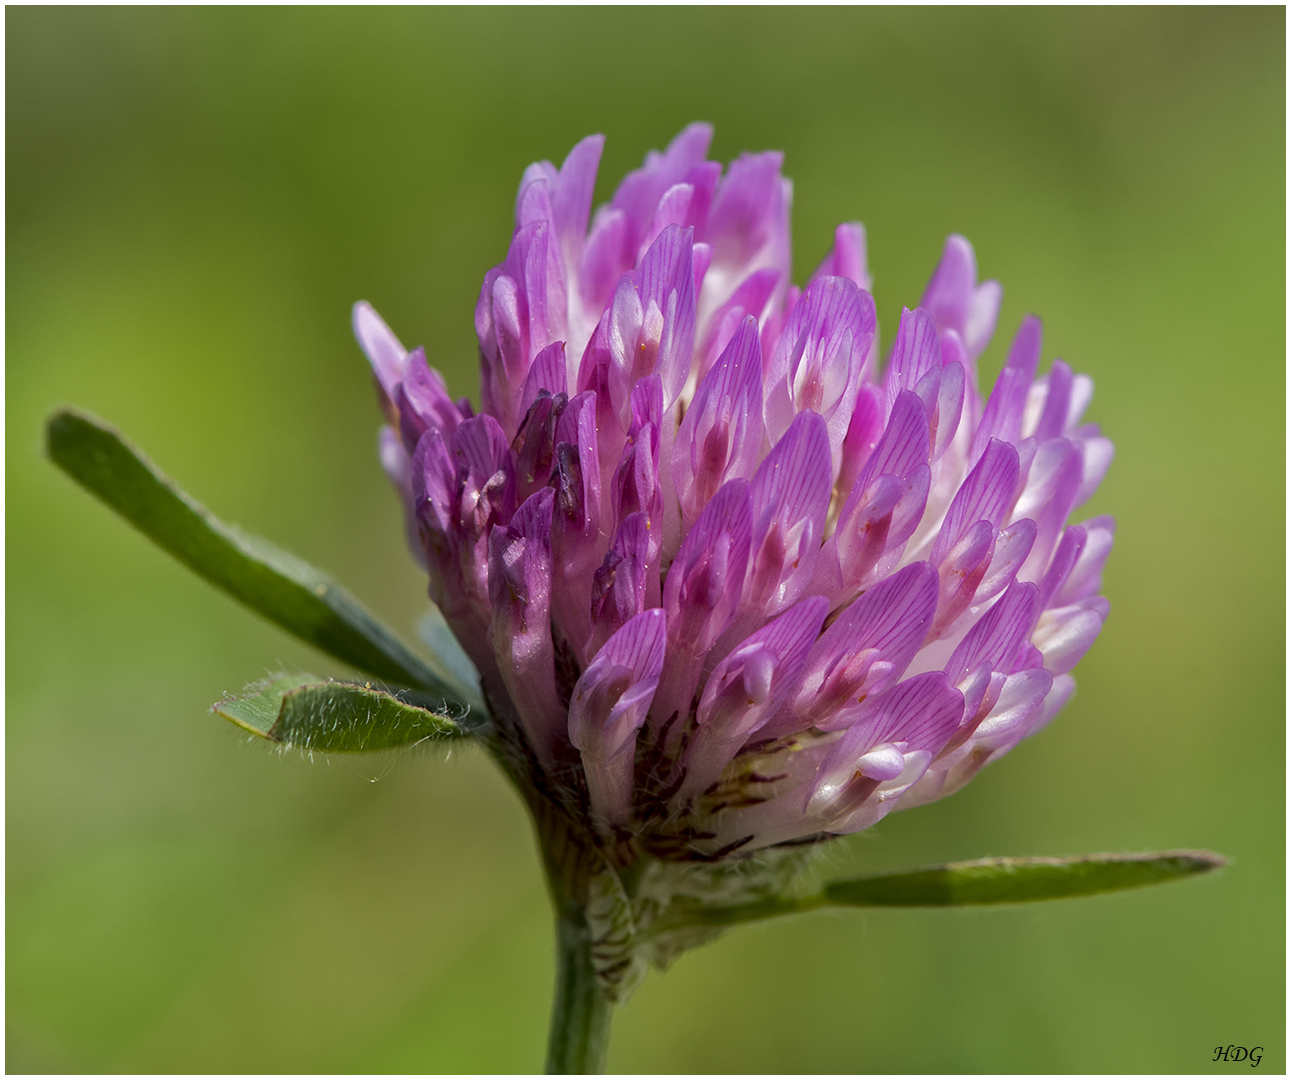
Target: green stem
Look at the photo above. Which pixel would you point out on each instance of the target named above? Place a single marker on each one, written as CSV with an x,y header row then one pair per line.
x,y
581,1013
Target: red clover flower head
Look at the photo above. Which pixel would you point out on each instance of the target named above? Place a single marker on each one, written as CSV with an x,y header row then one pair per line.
x,y
728,584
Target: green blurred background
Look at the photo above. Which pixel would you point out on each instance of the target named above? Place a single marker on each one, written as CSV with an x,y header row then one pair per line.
x,y
194,200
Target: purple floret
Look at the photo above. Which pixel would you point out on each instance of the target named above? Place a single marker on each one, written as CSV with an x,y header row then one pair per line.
x,y
726,582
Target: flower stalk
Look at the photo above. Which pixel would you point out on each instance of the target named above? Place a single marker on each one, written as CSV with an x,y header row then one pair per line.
x,y
580,1011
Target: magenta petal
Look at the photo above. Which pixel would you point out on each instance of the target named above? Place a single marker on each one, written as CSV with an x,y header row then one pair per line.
x,y
630,359
703,259
609,704
1064,635
774,320
535,444
866,649
790,492
955,354
705,580
748,231
433,485
1057,403
954,351
863,432
1024,353
949,291
639,193
983,310
576,520
702,591
957,302
651,327
673,209
541,268
981,689
397,464
746,689
520,568
820,357
1014,711
750,299
916,352
847,259
918,715
635,485
687,149
923,712
907,514
548,373
1063,562
484,496
703,180
948,408
860,540
999,635
532,309
985,495
904,444
571,197
788,639
619,585
747,207
480,450
502,327
888,499
962,570
1085,577
1012,546
421,401
721,434
545,288
1052,487
1097,453
1064,689
638,645
636,202
1082,393
636,480
455,546
381,347
533,202
646,403
1002,418
604,259
667,282
523,547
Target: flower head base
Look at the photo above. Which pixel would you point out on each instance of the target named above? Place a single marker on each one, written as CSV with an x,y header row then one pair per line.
x,y
728,585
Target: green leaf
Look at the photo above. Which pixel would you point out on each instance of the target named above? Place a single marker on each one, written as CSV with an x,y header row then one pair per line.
x,y
334,717
256,709
984,881
284,589
1011,881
